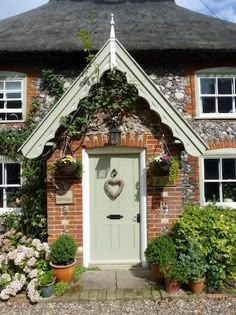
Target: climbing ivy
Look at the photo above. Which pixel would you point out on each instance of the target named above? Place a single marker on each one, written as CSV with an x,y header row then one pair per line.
x,y
32,220
113,97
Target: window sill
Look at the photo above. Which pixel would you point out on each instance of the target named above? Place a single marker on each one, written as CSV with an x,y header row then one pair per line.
x,y
8,210
233,117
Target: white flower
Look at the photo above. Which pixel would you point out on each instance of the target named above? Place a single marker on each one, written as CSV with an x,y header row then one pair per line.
x,y
31,262
32,292
4,294
33,274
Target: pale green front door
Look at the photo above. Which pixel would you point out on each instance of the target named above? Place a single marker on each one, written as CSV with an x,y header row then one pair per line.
x,y
114,208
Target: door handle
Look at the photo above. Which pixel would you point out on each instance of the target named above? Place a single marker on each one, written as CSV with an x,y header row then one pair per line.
x,y
137,218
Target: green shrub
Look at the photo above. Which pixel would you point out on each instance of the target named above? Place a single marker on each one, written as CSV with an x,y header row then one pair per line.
x,y
160,250
193,262
214,229
63,250
79,269
60,288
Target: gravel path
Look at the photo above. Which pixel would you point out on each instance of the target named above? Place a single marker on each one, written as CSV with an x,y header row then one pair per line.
x,y
146,307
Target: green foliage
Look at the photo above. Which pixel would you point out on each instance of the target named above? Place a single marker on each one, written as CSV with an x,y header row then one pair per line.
x,y
112,96
174,271
79,269
63,250
87,43
173,169
160,250
61,288
52,83
46,277
193,262
11,220
214,229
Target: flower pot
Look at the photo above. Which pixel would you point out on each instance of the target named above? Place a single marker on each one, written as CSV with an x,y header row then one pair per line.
x,y
197,287
64,273
172,285
47,290
157,274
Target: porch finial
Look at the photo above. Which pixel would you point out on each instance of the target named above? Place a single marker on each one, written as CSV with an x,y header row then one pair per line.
x,y
112,43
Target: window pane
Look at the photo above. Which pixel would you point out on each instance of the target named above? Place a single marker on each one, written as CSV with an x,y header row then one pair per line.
x,y
1,104
13,95
229,192
14,104
13,116
225,86
225,104
1,197
211,168
2,117
1,175
13,173
228,169
212,192
11,85
208,105
1,95
207,86
1,85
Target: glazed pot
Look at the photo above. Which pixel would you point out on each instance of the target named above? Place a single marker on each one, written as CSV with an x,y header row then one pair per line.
x,y
64,273
47,290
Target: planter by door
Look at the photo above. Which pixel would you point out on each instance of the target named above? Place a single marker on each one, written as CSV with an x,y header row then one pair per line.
x,y
197,287
172,286
64,273
114,184
47,290
157,274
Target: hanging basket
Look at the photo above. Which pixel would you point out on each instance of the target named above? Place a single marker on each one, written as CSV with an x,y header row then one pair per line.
x,y
67,169
69,166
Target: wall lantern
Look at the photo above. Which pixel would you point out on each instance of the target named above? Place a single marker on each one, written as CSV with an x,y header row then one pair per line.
x,y
115,136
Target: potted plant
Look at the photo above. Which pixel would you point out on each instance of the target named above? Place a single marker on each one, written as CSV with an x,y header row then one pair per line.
x,y
62,257
167,163
174,275
160,252
46,281
68,165
195,267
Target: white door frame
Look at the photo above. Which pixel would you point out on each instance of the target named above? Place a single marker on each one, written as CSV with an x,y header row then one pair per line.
x,y
85,192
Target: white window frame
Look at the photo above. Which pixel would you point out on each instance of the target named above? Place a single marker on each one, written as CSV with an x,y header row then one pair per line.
x,y
215,73
17,77
4,160
228,153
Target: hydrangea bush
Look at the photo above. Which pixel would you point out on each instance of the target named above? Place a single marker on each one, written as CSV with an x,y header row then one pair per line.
x,y
21,260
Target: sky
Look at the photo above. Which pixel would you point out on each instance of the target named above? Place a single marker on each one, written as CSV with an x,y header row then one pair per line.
x,y
224,9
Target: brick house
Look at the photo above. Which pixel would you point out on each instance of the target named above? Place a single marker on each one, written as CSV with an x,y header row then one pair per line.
x,y
182,64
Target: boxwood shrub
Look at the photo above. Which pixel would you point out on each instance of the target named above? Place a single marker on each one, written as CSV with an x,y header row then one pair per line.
x,y
214,229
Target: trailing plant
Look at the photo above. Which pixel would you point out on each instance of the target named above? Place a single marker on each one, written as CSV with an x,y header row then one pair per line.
x,y
63,250
214,229
61,288
173,169
161,251
79,269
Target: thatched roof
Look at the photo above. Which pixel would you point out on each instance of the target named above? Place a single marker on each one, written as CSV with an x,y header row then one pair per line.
x,y
140,26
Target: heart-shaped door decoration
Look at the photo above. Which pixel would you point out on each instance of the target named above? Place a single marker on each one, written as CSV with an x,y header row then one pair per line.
x,y
113,187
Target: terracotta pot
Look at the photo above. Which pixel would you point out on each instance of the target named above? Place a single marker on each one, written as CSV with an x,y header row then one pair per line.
x,y
197,287
172,285
157,273
64,273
